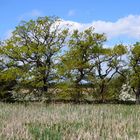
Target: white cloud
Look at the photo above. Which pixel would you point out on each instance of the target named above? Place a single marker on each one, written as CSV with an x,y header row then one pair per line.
x,y
71,13
127,26
73,25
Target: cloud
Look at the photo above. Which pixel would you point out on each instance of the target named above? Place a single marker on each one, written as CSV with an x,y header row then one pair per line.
x,y
128,26
32,14
71,13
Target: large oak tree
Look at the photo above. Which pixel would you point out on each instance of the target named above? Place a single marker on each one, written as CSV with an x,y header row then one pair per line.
x,y
33,50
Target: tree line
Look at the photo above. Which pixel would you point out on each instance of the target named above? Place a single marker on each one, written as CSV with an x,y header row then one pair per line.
x,y
48,59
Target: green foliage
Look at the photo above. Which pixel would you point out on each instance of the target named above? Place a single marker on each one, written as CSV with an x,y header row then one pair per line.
x,y
107,63
32,52
120,49
76,64
35,57
135,65
115,87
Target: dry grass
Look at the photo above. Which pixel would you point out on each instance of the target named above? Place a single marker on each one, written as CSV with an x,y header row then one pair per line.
x,y
69,122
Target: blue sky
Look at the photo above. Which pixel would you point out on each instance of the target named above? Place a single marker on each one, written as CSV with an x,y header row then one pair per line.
x,y
119,19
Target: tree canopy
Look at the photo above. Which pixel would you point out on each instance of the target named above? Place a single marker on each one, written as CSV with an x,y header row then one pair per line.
x,y
43,54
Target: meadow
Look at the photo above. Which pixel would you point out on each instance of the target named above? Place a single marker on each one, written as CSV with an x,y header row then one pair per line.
x,y
39,121
69,122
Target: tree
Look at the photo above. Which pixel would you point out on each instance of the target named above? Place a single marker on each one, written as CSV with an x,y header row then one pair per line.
x,y
33,51
76,64
108,62
7,82
116,84
135,70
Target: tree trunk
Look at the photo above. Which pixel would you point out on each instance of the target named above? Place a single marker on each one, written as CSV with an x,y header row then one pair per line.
x,y
102,92
45,87
138,96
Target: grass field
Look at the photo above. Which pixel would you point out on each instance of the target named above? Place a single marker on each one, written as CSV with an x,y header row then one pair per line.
x,y
69,122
